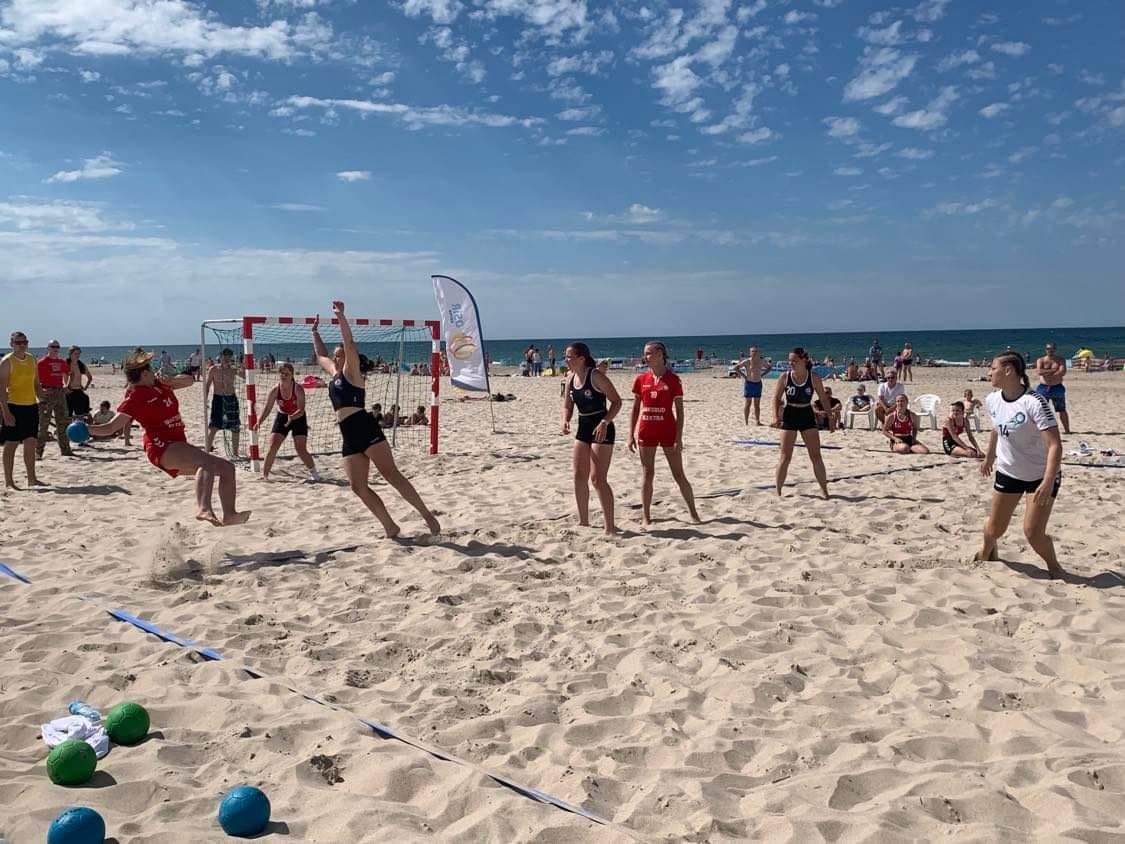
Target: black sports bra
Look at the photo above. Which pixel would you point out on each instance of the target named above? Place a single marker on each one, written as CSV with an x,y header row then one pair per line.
x,y
343,393
798,395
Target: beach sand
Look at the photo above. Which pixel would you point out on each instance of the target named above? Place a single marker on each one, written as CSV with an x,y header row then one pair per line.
x,y
792,669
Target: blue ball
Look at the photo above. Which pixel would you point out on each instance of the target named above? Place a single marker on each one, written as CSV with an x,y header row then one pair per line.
x,y
77,826
245,811
77,432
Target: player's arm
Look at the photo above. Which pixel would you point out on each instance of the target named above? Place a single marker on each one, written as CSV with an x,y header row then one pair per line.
x,y
351,355
603,383
678,407
567,407
5,376
271,397
89,378
299,395
634,415
1053,442
208,383
176,382
778,392
321,350
990,455
120,422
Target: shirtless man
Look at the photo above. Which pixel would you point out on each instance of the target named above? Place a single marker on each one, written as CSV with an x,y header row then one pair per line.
x,y
1051,369
753,368
224,403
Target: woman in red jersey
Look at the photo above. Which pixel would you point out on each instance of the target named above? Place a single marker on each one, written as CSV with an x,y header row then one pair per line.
x,y
658,422
290,419
151,400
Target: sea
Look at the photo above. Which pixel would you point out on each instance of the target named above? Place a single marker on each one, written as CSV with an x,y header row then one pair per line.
x,y
949,346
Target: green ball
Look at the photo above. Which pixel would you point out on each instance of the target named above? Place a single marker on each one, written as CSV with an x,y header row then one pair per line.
x,y
127,723
71,763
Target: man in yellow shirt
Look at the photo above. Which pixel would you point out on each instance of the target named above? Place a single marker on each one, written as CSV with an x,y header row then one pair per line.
x,y
19,409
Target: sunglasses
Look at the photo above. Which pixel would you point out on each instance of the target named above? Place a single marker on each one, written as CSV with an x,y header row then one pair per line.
x,y
54,347
19,342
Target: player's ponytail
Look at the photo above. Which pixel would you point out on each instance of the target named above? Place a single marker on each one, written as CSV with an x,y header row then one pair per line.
x,y
1016,361
365,364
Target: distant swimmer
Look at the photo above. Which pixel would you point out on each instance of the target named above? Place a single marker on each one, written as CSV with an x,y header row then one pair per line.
x,y
1051,369
1026,450
796,389
658,422
151,400
753,368
593,394
291,419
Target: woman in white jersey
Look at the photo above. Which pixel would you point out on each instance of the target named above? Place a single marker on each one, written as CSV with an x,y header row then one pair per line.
x,y
1027,450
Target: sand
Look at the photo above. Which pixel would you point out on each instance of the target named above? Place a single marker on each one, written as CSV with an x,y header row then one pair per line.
x,y
792,669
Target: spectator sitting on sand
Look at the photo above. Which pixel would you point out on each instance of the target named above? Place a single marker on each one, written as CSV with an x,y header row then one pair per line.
x,y
952,431
418,417
833,414
852,372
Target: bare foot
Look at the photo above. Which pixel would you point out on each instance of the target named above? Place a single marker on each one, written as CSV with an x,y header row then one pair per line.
x,y
36,482
695,517
993,556
208,516
610,530
1056,572
393,531
584,524
10,485
433,525
236,518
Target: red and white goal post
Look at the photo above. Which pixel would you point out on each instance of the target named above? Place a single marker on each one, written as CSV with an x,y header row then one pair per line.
x,y
408,353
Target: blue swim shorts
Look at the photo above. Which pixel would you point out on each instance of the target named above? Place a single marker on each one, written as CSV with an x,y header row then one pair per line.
x,y
1055,394
752,389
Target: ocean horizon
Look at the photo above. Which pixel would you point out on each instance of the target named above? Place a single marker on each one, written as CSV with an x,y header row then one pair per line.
x,y
953,345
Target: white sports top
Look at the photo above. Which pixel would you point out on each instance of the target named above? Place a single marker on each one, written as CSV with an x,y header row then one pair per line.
x,y
1020,452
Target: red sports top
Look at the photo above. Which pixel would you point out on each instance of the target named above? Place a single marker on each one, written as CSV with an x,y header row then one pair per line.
x,y
658,395
288,406
158,411
902,427
53,372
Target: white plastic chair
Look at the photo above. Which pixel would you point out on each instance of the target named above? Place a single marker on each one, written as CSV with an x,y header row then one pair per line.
x,y
928,408
973,420
852,413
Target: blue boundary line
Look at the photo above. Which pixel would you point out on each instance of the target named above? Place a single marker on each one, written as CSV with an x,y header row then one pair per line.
x,y
381,730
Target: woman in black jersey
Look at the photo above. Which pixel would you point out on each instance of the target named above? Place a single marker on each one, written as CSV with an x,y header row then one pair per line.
x,y
797,387
364,442
590,391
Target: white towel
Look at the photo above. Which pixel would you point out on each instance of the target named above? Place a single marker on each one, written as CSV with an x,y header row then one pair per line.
x,y
76,727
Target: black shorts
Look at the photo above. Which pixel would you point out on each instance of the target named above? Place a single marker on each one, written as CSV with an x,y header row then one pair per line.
x,y
1014,486
224,413
797,418
586,426
360,431
27,424
907,441
948,445
299,427
77,403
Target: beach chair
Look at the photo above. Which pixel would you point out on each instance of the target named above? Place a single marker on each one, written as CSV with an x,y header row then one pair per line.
x,y
869,414
928,407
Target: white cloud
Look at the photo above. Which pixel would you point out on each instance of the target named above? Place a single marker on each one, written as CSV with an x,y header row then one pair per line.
x,y
1022,154
124,27
586,131
951,208
984,71
1117,116
642,214
841,127
915,154
892,106
793,17
89,75
929,11
354,175
848,171
888,36
880,72
32,214
296,206
440,11
100,167
933,116
757,136
994,110
578,115
676,81
755,162
1012,48
955,60
587,62
416,118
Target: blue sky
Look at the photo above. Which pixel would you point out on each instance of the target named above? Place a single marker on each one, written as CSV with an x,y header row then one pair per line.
x,y
587,168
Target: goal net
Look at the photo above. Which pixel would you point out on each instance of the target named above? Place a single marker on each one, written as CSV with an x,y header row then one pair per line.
x,y
404,383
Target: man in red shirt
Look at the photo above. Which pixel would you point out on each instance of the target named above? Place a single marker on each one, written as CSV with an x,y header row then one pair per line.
x,y
54,370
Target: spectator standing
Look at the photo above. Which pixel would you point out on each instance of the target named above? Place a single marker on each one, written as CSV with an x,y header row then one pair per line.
x,y
54,370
